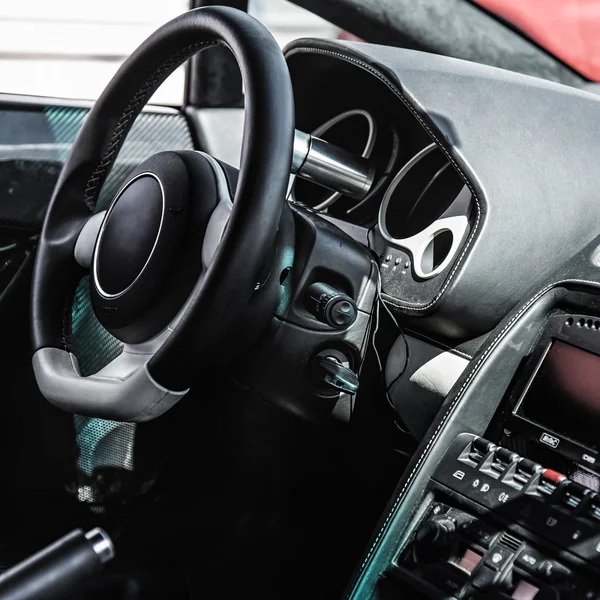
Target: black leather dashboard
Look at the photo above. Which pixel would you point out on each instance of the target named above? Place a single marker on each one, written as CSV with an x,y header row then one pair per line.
x,y
534,185
475,398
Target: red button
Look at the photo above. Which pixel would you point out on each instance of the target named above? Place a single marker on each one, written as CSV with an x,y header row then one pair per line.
x,y
553,476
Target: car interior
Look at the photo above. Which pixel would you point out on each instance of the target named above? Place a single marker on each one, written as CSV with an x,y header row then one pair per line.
x,y
347,345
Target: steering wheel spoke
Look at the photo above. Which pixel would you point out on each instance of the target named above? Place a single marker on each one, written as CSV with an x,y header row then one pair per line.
x,y
86,241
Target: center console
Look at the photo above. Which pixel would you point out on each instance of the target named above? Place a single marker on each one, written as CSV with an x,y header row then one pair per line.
x,y
500,525
504,500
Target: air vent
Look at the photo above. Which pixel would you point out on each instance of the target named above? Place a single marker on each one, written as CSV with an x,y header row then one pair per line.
x,y
510,542
426,211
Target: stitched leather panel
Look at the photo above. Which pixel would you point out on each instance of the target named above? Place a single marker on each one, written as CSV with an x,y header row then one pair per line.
x,y
472,403
484,119
151,133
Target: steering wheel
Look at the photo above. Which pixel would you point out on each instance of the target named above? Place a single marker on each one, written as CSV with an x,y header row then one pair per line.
x,y
179,254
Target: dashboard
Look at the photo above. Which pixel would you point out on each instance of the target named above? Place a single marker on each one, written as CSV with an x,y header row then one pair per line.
x,y
483,216
468,210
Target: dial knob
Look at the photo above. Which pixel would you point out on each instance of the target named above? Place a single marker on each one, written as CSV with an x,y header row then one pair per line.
x,y
434,540
331,306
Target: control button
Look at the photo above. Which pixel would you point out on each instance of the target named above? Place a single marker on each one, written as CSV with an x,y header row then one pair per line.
x,y
506,456
530,467
481,445
479,532
549,481
469,561
553,476
331,306
530,560
553,571
594,508
499,463
440,509
557,527
498,557
388,258
476,451
434,540
446,578
525,591
397,261
524,473
484,578
572,495
588,549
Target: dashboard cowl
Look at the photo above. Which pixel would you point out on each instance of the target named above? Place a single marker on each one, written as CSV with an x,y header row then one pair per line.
x,y
528,151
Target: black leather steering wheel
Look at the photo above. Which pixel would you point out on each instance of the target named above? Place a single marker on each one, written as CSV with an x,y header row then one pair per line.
x,y
173,261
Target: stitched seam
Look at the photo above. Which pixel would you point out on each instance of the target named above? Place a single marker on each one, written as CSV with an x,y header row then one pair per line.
x,y
389,300
66,323
438,343
149,410
129,114
457,398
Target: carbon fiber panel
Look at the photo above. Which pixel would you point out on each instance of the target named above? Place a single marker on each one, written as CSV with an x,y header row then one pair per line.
x,y
105,462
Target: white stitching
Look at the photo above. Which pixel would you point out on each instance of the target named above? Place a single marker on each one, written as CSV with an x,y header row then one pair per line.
x,y
129,114
389,299
457,398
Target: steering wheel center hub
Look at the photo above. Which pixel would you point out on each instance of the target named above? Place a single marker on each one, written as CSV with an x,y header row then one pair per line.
x,y
140,240
129,236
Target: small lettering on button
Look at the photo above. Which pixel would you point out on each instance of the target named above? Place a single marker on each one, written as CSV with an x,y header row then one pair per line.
x,y
549,440
589,458
551,521
530,560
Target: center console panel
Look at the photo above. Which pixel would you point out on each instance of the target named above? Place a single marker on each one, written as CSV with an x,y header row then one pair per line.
x,y
499,525
516,513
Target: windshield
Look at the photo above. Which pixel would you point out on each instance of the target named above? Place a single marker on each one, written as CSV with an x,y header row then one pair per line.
x,y
569,29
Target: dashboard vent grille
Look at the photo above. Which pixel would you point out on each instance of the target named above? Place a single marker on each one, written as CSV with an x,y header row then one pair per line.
x,y
510,542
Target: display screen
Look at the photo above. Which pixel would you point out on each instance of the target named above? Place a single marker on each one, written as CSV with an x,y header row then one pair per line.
x,y
564,395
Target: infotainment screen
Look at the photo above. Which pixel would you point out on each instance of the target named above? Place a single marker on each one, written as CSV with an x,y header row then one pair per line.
x,y
564,394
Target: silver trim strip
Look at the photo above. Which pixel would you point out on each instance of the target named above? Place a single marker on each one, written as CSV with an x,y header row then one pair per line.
x,y
366,153
416,245
103,227
101,544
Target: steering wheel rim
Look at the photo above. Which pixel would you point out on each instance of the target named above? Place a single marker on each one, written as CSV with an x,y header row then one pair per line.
x,y
228,283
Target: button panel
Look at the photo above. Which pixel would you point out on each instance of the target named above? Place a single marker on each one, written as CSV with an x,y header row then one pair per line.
x,y
476,557
530,560
483,559
498,557
541,500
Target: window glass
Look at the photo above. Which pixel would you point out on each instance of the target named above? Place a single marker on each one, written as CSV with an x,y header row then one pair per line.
x,y
288,22
71,48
